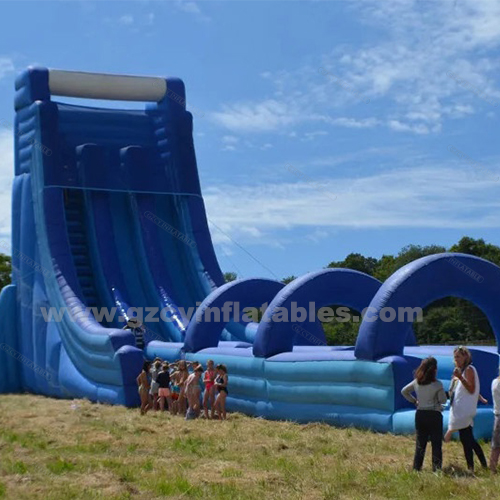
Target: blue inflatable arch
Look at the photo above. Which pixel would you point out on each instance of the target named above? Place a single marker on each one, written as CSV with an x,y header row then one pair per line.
x,y
417,285
329,286
251,292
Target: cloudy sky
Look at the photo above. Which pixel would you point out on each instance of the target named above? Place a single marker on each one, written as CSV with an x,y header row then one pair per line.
x,y
321,127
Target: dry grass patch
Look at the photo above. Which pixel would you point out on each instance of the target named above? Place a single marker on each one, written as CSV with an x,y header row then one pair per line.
x,y
53,449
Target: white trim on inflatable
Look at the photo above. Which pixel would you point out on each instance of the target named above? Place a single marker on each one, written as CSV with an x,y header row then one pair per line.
x,y
104,86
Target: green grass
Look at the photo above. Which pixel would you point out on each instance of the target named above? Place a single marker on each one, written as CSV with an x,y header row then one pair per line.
x,y
60,466
50,451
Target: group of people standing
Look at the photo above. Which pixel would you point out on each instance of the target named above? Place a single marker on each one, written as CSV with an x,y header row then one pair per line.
x,y
464,393
185,388
178,387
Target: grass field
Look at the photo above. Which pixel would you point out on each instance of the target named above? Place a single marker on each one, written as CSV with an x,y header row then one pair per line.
x,y
58,449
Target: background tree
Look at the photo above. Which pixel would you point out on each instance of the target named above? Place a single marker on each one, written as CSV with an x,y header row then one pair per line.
x,y
478,248
230,276
449,320
357,262
5,270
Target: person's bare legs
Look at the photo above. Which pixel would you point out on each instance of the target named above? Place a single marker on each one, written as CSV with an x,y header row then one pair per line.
x,y
447,436
190,399
494,456
194,401
212,401
168,399
222,405
155,401
216,407
144,402
181,403
206,397
196,398
170,404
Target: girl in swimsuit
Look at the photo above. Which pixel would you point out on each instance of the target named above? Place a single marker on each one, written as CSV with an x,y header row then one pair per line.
x,y
182,375
209,394
193,392
221,383
153,391
174,373
143,385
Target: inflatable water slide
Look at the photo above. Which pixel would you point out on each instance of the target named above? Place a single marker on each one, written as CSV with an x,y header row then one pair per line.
x,y
108,215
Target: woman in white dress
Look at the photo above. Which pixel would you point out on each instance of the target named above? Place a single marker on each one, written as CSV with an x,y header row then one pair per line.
x,y
464,394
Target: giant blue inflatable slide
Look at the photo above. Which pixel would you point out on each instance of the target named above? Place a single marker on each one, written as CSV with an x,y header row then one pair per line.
x,y
107,212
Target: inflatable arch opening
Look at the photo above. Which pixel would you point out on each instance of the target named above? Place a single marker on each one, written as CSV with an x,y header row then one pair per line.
x,y
323,288
205,331
420,283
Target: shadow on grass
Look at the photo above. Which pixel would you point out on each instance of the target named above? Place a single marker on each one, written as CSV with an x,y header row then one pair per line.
x,y
457,471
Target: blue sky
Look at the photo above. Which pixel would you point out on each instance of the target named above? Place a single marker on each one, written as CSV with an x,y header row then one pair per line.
x,y
321,127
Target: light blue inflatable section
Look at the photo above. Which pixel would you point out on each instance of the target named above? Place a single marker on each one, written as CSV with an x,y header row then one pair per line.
x,y
338,389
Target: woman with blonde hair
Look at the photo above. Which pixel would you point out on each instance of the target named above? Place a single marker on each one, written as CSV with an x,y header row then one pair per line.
x,y
464,395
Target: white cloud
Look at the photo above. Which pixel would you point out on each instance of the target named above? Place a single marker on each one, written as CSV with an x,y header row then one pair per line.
x,y
126,20
256,117
429,196
6,175
410,66
310,136
6,66
353,123
191,8
318,235
399,79
405,127
229,142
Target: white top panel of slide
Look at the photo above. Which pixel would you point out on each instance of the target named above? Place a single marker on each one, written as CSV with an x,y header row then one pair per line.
x,y
104,86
